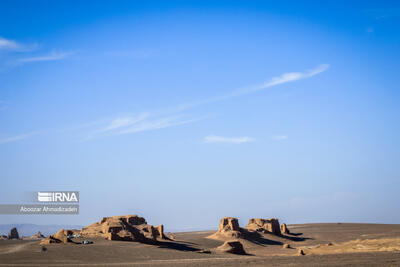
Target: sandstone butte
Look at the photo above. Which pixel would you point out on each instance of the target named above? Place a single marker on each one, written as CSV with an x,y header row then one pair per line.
x,y
229,228
264,225
122,228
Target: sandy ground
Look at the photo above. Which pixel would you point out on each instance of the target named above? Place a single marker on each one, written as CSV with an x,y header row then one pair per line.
x,y
324,245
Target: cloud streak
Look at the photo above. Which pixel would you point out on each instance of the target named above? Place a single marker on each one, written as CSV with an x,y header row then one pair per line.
x,y
157,124
230,140
140,123
147,121
6,44
173,117
278,80
49,57
125,121
14,46
17,137
284,78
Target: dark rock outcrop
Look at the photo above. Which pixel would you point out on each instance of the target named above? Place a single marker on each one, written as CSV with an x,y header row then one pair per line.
x,y
13,234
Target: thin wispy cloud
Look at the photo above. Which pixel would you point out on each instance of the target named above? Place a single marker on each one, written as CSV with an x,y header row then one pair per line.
x,y
173,117
11,54
16,137
49,57
148,121
280,137
14,46
155,124
140,123
6,44
123,122
230,140
278,80
284,78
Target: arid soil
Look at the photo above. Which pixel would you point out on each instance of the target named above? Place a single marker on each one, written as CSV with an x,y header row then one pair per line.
x,y
323,245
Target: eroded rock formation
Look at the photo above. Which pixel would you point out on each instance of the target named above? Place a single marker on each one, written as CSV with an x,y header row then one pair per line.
x,y
39,235
125,228
284,229
234,247
13,234
228,229
264,225
36,236
62,236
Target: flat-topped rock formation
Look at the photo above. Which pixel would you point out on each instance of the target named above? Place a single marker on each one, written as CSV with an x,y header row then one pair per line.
x,y
264,225
124,228
228,229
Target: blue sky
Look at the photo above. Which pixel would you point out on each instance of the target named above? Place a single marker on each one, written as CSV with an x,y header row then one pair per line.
x,y
187,111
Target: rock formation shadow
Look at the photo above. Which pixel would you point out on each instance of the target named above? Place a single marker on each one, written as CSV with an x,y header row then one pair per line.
x,y
257,238
295,234
295,238
176,246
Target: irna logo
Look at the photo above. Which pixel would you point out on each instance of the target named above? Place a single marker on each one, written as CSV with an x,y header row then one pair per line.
x,y
61,196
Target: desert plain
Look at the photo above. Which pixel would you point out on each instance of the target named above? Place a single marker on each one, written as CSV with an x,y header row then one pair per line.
x,y
125,241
